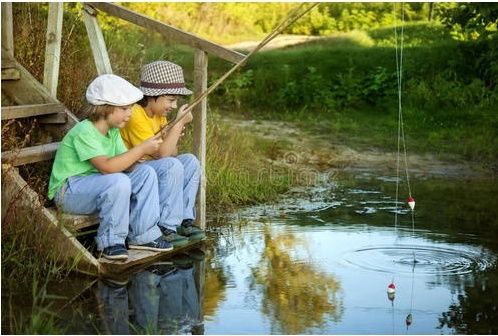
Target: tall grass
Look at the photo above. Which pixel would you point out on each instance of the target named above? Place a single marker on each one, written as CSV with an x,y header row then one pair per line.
x,y
29,263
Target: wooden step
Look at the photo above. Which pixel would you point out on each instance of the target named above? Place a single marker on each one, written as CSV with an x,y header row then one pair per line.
x,y
30,154
75,222
10,74
9,70
25,111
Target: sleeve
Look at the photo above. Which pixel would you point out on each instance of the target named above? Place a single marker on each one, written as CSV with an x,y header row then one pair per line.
x,y
87,147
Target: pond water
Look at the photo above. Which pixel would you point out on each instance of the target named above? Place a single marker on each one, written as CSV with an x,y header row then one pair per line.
x,y
322,265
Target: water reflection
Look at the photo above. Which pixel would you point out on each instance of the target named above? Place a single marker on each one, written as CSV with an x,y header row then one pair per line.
x,y
162,299
476,309
296,295
321,266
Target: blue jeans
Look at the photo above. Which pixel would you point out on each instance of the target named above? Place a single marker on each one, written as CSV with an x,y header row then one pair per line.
x,y
127,203
178,179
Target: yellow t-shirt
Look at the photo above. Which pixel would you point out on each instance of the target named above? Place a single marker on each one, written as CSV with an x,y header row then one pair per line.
x,y
140,127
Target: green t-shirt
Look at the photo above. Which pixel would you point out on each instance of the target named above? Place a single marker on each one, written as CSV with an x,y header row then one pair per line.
x,y
82,143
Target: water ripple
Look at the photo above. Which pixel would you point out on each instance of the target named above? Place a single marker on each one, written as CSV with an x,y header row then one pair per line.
x,y
428,260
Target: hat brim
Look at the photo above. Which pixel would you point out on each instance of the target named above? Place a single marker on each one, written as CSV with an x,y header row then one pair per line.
x,y
160,92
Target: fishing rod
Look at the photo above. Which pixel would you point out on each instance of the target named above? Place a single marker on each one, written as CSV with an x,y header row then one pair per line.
x,y
291,18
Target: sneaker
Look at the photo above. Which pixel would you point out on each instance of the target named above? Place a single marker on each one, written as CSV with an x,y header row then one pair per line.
x,y
158,245
188,229
173,238
182,261
115,252
162,269
196,254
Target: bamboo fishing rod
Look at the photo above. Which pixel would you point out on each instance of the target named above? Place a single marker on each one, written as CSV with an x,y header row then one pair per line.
x,y
291,18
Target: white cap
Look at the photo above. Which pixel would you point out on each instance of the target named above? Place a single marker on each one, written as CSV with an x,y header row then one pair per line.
x,y
113,90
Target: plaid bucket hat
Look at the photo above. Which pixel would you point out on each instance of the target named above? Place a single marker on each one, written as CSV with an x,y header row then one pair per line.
x,y
162,78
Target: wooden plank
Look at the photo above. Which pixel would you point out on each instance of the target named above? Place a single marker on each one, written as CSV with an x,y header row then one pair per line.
x,y
75,222
7,62
28,91
56,118
10,74
97,43
140,258
20,202
25,111
31,154
169,31
200,121
7,29
53,46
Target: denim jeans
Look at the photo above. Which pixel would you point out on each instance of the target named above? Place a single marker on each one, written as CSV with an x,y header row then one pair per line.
x,y
178,181
127,203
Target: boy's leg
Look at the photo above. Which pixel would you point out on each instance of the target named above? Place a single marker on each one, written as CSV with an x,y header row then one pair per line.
x,y
107,194
192,173
170,181
191,179
144,206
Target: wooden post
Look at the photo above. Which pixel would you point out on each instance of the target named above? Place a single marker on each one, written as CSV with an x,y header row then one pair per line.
x,y
53,46
97,42
200,119
7,29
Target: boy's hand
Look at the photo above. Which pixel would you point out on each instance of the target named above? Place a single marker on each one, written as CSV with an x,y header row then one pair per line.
x,y
151,145
188,118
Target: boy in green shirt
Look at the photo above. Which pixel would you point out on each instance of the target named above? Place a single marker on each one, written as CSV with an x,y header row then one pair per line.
x,y
91,173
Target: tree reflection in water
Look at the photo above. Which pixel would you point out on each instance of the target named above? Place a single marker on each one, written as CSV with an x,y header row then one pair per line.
x,y
297,297
214,286
477,307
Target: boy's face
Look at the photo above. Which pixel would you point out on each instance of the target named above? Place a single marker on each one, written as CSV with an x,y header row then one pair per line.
x,y
163,105
119,116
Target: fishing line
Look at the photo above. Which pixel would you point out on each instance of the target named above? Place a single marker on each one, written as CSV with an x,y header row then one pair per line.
x,y
401,145
401,141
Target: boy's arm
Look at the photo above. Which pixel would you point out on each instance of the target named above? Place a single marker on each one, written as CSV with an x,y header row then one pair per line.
x,y
119,163
170,139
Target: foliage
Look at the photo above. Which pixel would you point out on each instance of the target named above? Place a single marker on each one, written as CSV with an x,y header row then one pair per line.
x,y
470,20
226,22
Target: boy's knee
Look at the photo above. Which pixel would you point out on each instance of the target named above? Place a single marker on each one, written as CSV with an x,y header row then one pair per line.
x,y
189,160
119,183
146,170
172,165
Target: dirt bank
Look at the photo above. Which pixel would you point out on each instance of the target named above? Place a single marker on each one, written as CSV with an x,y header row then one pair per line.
x,y
320,152
278,42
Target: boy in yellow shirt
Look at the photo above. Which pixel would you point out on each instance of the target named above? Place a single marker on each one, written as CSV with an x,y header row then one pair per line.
x,y
179,175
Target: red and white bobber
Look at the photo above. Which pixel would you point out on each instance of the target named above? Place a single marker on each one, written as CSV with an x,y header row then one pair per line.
x,y
391,289
411,203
